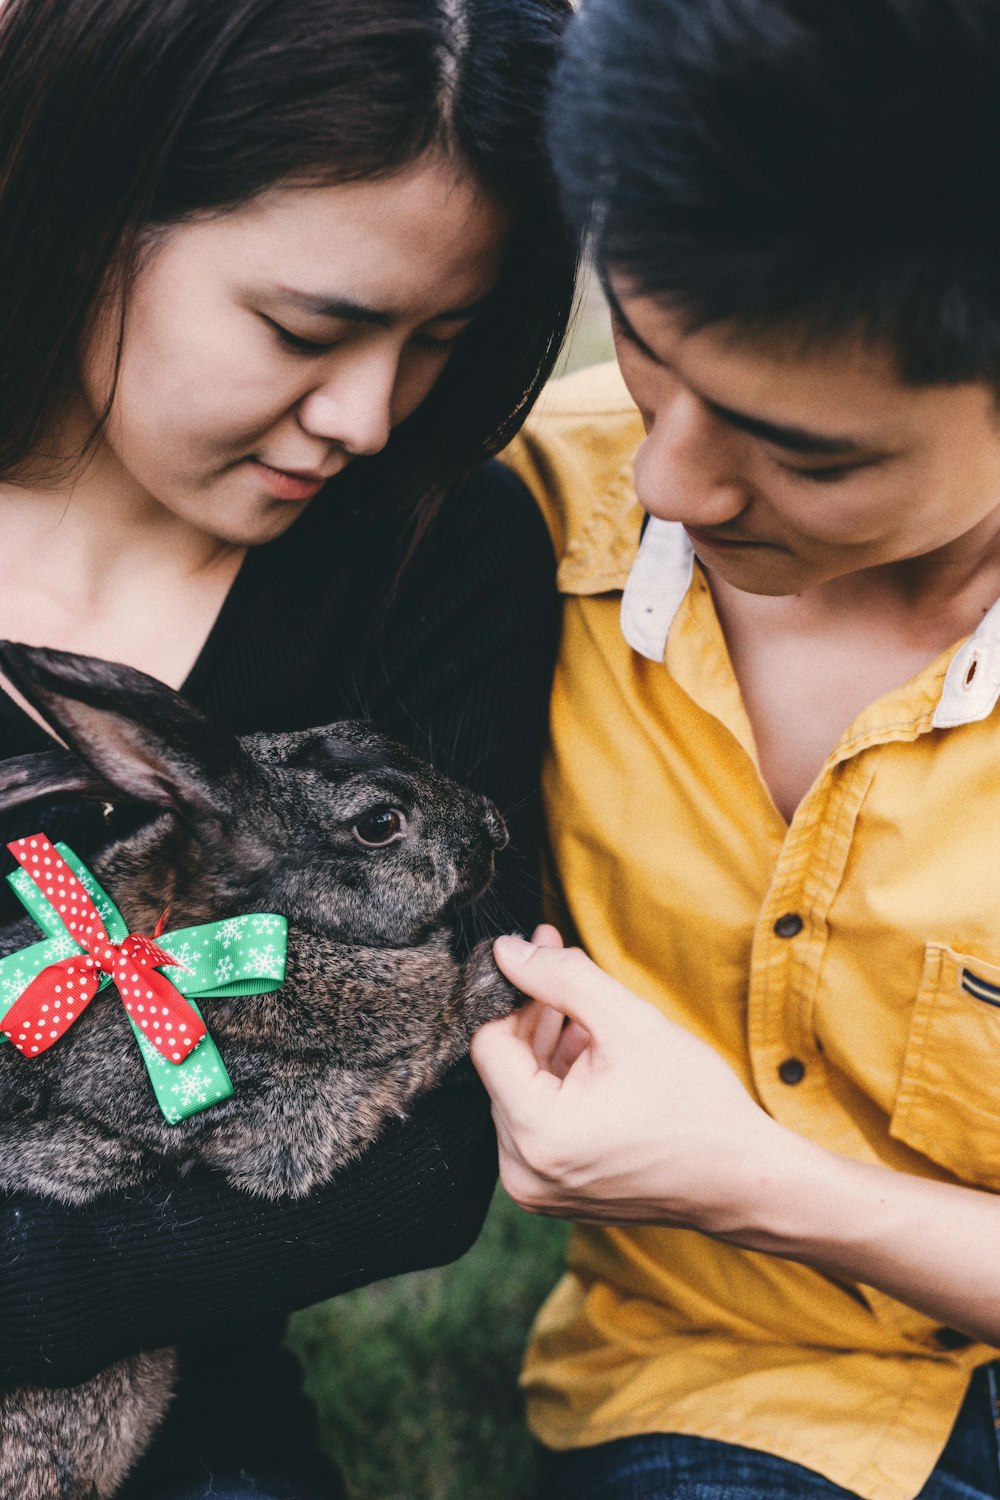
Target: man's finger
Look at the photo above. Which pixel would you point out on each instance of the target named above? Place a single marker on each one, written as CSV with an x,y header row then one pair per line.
x,y
505,1062
574,1040
567,980
547,936
547,1034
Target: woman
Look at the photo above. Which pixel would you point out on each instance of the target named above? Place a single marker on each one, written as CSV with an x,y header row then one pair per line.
x,y
276,277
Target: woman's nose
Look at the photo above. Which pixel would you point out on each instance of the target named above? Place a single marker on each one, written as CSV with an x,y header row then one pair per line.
x,y
353,407
688,467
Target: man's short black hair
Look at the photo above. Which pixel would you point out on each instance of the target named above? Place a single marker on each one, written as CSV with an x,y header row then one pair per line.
x,y
828,166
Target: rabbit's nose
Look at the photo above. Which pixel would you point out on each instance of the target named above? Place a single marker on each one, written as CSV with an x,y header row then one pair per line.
x,y
495,826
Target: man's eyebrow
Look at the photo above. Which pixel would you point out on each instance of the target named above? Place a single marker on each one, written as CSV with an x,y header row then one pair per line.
x,y
795,439
359,312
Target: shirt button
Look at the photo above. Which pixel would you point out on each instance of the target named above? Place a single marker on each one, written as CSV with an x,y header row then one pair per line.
x,y
790,925
792,1070
950,1338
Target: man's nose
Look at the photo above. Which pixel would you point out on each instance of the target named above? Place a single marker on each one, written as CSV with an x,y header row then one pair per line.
x,y
688,467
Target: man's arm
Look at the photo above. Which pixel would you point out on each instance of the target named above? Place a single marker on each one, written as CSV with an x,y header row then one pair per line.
x,y
647,1124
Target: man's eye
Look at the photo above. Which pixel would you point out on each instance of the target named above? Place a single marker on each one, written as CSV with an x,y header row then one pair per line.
x,y
829,474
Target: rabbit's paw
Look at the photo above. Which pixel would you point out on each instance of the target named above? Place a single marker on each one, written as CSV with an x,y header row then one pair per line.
x,y
485,995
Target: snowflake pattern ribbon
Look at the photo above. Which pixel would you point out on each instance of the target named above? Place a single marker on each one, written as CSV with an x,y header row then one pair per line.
x,y
237,956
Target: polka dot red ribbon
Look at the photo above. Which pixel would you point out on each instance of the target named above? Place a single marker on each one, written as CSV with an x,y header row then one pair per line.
x,y
58,995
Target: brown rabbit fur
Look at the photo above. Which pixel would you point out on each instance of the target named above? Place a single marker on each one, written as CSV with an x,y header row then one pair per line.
x,y
373,1008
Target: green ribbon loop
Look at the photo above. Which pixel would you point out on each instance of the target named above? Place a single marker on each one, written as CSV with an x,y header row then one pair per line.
x,y
237,956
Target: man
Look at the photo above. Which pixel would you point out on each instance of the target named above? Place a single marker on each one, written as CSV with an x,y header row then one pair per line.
x,y
774,782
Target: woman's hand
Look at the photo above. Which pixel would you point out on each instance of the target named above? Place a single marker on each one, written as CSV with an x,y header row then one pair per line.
x,y
617,1114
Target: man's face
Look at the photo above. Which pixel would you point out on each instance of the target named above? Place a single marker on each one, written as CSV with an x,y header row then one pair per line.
x,y
789,466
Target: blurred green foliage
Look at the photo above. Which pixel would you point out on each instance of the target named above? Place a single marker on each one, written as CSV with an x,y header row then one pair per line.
x,y
416,1379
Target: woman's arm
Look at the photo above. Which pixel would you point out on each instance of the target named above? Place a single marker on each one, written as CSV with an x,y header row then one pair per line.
x,y
468,688
465,665
83,1287
644,1123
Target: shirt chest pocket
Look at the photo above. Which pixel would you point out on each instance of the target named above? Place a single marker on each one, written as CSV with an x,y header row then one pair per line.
x,y
948,1102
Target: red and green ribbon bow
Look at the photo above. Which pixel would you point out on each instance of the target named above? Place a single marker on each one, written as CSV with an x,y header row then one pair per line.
x,y
44,988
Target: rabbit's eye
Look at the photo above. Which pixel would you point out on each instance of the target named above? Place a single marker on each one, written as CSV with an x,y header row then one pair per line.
x,y
380,826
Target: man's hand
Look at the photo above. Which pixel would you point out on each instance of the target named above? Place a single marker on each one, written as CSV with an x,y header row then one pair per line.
x,y
621,1116
616,1114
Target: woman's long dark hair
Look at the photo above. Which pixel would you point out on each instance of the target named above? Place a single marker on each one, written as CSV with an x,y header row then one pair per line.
x,y
118,116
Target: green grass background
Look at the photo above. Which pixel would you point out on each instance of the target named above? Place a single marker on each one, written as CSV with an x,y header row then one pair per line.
x,y
415,1379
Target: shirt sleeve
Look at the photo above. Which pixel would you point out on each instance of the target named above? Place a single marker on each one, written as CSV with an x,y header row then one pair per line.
x,y
465,659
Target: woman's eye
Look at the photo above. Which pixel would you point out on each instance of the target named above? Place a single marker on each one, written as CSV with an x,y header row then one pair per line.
x,y
295,342
380,826
440,340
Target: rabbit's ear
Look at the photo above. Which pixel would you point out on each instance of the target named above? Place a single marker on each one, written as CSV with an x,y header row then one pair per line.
x,y
49,773
137,738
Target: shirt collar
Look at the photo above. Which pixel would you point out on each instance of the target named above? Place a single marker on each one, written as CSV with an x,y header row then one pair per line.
x,y
661,575
657,582
972,683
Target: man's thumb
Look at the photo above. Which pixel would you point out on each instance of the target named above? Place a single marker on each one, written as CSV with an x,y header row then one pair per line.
x,y
566,979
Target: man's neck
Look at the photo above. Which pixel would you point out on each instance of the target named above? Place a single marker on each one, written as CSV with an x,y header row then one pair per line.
x,y
808,664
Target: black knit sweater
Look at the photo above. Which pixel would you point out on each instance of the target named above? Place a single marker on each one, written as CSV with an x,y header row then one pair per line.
x,y
456,663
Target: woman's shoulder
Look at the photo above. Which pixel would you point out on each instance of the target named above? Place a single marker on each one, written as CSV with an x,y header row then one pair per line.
x,y
575,455
489,511
487,529
492,505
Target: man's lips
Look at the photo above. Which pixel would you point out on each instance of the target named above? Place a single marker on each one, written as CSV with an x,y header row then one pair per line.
x,y
712,539
289,484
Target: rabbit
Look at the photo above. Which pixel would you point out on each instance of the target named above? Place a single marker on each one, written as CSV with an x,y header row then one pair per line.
x,y
367,851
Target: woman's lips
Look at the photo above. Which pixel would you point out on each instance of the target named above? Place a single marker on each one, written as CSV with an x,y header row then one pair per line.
x,y
284,485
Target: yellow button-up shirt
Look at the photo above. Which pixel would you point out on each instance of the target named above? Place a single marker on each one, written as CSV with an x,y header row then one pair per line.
x,y
847,967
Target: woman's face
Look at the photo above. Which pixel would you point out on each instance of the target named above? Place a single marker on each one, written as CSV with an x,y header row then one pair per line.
x,y
267,347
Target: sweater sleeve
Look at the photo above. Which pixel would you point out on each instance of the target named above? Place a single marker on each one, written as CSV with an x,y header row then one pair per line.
x,y
465,663
473,700
167,1264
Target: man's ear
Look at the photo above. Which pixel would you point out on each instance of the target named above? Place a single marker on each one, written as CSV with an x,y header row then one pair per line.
x,y
138,740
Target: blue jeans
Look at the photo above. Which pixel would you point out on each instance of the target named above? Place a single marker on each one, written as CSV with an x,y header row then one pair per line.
x,y
244,1486
661,1466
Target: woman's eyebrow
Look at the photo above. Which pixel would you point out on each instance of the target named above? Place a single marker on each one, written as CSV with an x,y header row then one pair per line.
x,y
360,312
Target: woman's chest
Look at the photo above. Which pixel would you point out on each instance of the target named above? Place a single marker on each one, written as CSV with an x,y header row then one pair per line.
x,y
153,617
